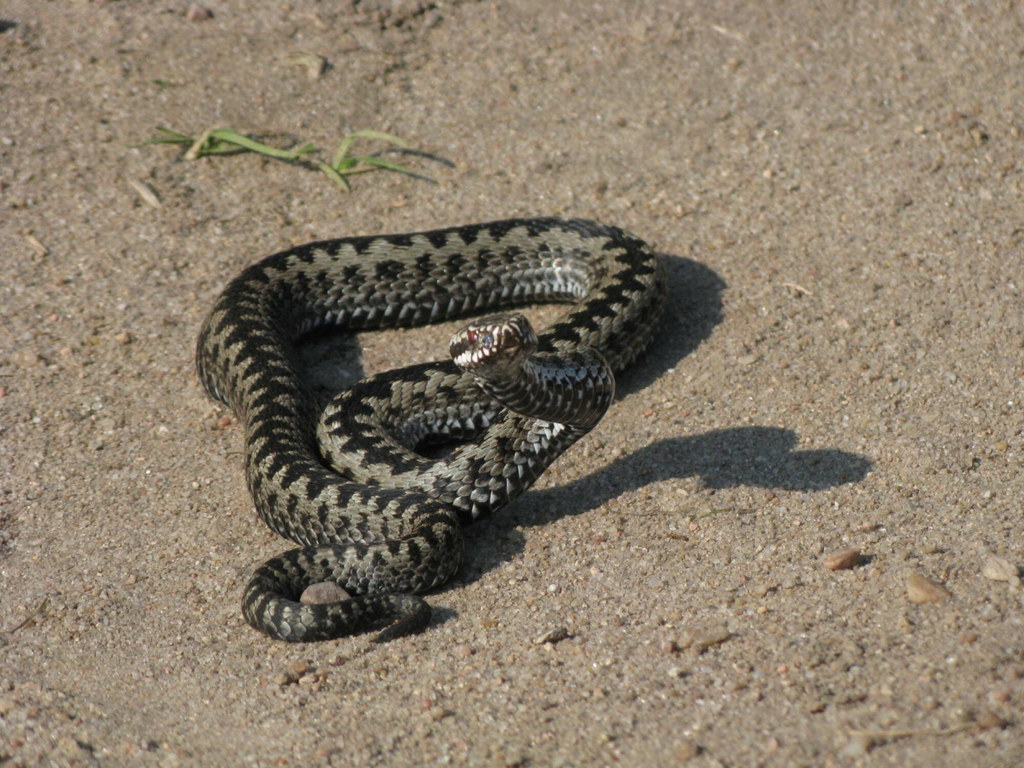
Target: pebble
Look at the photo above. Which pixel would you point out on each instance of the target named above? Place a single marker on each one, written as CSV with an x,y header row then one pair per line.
x,y
686,749
702,639
198,12
310,680
313,64
987,719
921,589
998,569
857,746
761,589
843,559
27,358
1000,695
295,671
552,636
323,592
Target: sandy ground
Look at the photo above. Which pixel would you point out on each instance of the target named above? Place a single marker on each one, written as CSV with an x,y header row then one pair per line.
x,y
838,194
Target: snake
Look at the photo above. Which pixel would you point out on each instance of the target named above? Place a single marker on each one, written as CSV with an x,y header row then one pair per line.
x,y
375,486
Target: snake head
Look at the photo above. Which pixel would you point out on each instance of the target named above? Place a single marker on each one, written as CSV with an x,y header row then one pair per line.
x,y
493,344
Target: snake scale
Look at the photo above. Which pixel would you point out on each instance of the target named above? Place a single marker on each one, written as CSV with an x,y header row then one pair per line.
x,y
348,483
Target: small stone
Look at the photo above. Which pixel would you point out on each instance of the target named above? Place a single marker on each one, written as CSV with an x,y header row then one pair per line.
x,y
762,588
686,749
197,12
27,358
123,337
921,589
998,569
310,679
295,671
313,64
668,646
223,422
702,639
988,719
857,746
1000,695
552,636
843,559
705,640
323,592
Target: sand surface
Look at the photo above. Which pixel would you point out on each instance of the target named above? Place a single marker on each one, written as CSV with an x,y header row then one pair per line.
x,y
839,195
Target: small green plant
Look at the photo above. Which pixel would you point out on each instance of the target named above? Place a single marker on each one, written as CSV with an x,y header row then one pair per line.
x,y
228,141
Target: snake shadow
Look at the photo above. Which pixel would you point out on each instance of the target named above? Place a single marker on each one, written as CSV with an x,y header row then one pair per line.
x,y
759,456
693,309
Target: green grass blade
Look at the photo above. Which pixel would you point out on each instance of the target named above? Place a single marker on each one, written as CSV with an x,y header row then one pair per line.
x,y
334,176
234,137
305,149
346,143
215,147
168,137
341,152
390,138
228,141
199,146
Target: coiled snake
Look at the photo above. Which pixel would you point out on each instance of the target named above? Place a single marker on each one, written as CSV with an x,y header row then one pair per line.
x,y
370,513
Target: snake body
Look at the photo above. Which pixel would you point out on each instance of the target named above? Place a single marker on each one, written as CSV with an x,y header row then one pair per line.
x,y
347,484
